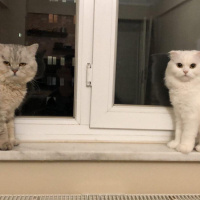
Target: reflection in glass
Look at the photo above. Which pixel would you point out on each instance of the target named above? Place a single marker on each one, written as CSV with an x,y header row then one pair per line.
x,y
51,24
147,31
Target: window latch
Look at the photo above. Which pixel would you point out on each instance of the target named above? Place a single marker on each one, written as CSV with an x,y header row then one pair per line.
x,y
89,75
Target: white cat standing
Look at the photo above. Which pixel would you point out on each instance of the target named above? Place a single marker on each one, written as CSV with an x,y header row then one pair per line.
x,y
182,77
17,67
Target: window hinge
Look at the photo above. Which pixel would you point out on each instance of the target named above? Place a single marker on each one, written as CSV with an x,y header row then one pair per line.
x,y
89,75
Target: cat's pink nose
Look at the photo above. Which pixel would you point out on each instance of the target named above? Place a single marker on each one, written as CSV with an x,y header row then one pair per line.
x,y
185,71
15,70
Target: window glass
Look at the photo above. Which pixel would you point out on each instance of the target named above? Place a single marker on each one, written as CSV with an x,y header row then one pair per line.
x,y
147,31
51,24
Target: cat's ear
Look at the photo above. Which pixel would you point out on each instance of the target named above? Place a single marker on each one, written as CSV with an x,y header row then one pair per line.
x,y
32,49
198,53
173,54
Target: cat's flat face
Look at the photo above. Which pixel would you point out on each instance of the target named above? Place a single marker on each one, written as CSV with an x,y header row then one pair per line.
x,y
184,65
17,63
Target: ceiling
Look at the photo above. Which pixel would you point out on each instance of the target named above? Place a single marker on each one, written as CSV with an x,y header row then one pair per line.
x,y
139,2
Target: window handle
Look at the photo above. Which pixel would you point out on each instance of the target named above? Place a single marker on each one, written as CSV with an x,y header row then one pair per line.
x,y
89,75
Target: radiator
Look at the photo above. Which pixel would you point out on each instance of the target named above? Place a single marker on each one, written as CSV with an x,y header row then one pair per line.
x,y
100,197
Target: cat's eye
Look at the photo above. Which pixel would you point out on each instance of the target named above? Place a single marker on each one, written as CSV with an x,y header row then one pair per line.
x,y
22,64
179,65
6,63
192,66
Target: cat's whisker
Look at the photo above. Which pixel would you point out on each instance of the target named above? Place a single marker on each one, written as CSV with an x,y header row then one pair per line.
x,y
35,84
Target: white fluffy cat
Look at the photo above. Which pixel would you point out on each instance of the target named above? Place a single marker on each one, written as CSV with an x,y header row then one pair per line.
x,y
182,77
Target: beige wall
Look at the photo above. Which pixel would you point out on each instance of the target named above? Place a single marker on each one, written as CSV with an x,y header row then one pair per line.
x,y
178,28
98,177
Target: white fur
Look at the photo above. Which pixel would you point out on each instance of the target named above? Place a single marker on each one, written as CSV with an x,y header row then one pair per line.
x,y
184,91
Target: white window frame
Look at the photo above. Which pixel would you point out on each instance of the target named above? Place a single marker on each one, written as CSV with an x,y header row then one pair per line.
x,y
47,128
104,114
96,118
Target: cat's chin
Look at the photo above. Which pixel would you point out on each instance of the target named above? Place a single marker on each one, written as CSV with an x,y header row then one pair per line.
x,y
14,79
185,78
20,80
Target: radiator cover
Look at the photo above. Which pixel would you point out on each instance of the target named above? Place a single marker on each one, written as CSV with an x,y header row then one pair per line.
x,y
102,197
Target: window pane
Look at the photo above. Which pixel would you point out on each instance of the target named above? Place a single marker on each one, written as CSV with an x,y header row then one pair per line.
x,y
51,24
147,31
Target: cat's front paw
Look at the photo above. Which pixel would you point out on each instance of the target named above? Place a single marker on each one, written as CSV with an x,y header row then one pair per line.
x,y
173,144
15,142
4,146
198,147
184,148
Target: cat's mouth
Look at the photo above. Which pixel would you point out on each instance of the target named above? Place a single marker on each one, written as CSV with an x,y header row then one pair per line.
x,y
185,77
15,76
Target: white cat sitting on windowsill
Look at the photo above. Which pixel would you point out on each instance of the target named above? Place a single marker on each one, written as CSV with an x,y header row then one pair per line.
x,y
182,77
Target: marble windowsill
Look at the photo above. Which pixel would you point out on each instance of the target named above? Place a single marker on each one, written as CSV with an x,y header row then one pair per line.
x,y
95,152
